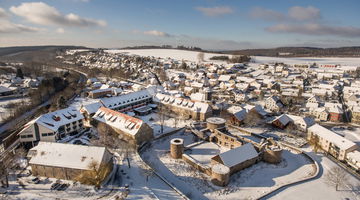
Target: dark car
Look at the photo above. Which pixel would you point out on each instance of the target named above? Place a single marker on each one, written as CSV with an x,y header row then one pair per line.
x,y
63,187
35,180
55,186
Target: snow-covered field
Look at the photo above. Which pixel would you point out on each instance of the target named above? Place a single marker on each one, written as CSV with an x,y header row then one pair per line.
x,y
192,56
168,53
308,60
249,183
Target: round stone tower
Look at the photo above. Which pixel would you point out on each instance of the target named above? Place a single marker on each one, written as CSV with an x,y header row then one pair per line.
x,y
220,175
215,123
272,154
176,148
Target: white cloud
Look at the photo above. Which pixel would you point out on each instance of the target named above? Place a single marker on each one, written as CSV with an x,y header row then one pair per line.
x,y
60,30
43,14
304,13
9,27
316,29
266,14
295,13
3,13
156,33
215,11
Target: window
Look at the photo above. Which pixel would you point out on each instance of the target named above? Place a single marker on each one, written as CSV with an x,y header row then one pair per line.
x,y
232,140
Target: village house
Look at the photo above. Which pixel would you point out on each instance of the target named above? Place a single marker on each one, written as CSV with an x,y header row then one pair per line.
x,y
353,159
300,123
184,107
130,128
100,93
320,114
355,114
52,126
66,161
331,142
273,103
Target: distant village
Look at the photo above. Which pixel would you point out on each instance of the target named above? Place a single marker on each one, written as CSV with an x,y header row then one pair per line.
x,y
237,115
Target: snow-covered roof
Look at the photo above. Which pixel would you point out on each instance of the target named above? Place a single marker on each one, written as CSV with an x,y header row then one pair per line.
x,y
197,96
91,108
120,121
238,155
66,155
224,78
334,138
354,155
4,89
182,103
126,99
54,120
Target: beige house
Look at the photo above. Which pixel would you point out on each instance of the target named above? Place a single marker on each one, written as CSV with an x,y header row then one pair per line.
x,y
65,161
331,142
131,128
185,108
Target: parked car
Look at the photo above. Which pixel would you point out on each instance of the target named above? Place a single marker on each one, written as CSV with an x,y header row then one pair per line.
x,y
35,180
54,186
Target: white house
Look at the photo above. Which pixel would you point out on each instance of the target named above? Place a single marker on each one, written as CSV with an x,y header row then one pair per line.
x,y
53,126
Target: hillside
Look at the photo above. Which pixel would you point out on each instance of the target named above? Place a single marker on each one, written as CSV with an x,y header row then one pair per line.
x,y
31,53
300,52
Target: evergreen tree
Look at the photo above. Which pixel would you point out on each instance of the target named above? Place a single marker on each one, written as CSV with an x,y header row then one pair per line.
x,y
19,73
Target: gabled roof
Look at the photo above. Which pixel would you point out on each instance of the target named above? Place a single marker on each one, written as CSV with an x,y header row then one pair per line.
x,y
238,155
126,99
118,120
66,155
182,103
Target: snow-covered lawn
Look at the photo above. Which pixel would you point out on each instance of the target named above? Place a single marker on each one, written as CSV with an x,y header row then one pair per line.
x,y
170,124
249,183
319,189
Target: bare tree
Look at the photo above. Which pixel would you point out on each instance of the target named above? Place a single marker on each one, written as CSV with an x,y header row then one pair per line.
x,y
336,177
252,119
95,174
126,150
200,56
315,143
147,171
162,113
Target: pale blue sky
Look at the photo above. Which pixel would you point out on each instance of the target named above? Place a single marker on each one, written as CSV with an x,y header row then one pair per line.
x,y
210,24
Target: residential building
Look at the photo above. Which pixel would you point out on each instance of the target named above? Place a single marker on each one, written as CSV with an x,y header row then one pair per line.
x,y
66,161
331,142
52,126
131,128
